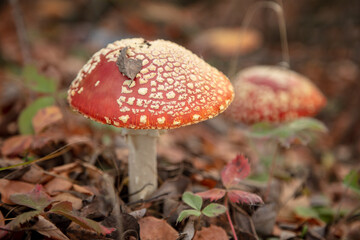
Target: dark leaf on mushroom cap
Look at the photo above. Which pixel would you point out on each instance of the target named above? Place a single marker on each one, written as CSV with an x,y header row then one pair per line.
x,y
173,88
128,67
273,94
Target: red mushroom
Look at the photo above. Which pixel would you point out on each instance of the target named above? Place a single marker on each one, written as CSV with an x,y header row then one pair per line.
x,y
273,94
171,87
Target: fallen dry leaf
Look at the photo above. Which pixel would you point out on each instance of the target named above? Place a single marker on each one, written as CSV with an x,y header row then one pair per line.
x,y
211,233
153,228
48,229
33,175
9,187
17,145
83,189
58,184
76,202
46,117
128,66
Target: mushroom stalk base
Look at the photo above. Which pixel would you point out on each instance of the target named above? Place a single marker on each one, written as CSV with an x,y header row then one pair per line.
x,y
142,163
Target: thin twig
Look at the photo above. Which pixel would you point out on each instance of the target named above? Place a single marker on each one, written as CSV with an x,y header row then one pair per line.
x,y
114,199
229,217
271,175
277,8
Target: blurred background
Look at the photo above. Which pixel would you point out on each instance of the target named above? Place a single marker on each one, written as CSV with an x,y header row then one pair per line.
x,y
57,37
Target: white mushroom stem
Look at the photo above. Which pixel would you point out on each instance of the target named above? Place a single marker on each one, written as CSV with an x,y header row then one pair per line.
x,y
142,162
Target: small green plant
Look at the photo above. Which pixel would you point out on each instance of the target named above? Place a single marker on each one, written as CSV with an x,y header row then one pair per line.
x,y
352,181
196,202
301,130
231,176
39,84
42,206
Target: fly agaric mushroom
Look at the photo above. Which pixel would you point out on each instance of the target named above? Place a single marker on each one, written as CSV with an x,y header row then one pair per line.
x,y
273,94
171,87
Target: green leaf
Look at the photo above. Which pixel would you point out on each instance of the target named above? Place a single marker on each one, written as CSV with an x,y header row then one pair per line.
x,y
36,199
187,213
302,129
24,217
38,82
213,210
64,209
192,200
352,181
306,212
24,120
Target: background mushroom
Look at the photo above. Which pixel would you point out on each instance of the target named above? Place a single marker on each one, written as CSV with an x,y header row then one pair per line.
x,y
145,86
273,94
276,95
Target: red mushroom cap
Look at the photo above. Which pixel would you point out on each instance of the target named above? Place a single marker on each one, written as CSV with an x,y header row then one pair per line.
x,y
273,94
173,88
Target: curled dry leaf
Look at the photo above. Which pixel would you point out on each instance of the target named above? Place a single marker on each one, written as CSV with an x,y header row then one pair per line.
x,y
153,228
17,145
211,233
9,187
76,202
127,66
46,117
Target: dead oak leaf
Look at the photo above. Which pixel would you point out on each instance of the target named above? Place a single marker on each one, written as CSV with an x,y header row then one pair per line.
x,y
16,145
46,117
153,228
127,66
211,233
9,187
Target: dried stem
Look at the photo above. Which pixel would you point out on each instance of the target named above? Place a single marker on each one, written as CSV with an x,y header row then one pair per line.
x,y
271,175
229,217
21,31
278,9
